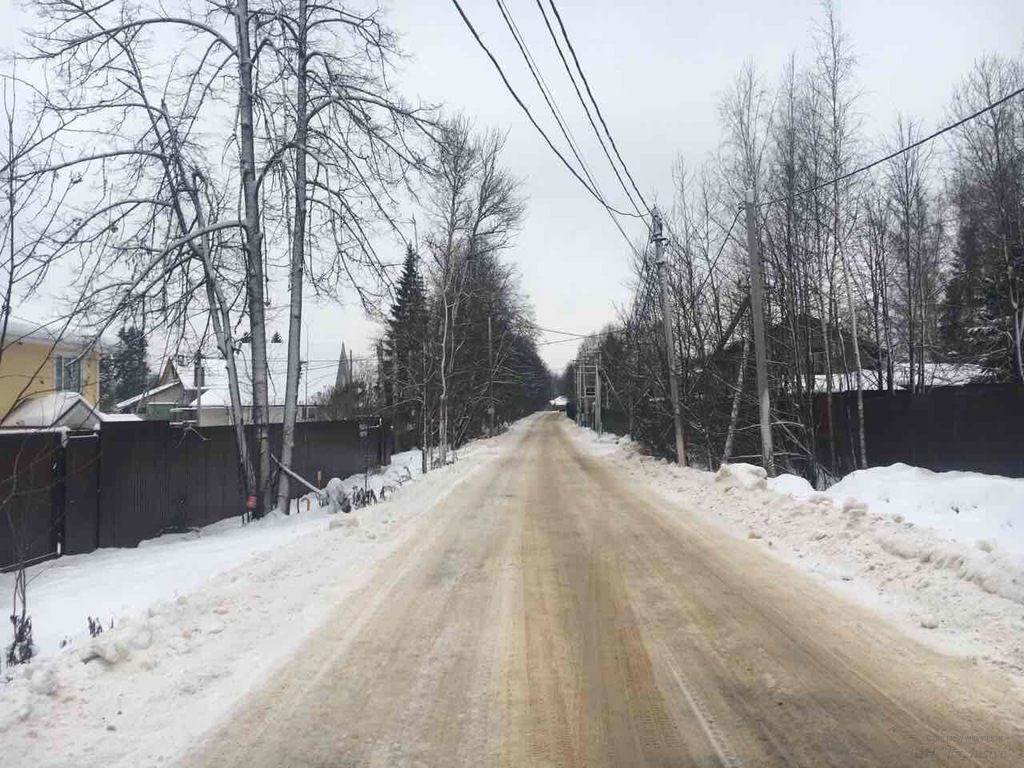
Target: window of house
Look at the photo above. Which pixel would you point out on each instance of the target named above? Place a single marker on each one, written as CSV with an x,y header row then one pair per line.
x,y
67,374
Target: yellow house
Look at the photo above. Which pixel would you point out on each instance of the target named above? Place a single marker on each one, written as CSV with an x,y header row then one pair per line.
x,y
38,361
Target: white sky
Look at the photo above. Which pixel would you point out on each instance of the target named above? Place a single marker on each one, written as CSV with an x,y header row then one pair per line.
x,y
657,68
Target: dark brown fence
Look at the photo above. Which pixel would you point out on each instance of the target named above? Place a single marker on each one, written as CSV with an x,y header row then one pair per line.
x,y
71,493
978,427
30,498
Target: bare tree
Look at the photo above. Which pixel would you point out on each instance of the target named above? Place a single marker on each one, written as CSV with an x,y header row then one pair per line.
x,y
477,209
345,146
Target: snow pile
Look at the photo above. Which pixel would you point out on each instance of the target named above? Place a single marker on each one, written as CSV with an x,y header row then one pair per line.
x,y
964,522
795,486
746,476
984,510
109,583
897,557
193,622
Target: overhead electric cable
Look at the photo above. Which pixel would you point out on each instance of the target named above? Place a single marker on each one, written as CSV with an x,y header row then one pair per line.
x,y
586,109
524,49
530,116
897,153
597,108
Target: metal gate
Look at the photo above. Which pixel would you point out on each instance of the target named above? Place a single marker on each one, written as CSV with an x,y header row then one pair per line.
x,y
30,500
81,529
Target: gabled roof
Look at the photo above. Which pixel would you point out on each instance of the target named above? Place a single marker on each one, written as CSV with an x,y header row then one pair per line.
x,y
216,389
59,409
148,393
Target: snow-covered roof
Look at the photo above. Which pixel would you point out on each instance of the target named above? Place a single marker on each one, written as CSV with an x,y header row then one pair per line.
x,y
51,333
935,375
59,409
213,398
216,391
148,393
120,417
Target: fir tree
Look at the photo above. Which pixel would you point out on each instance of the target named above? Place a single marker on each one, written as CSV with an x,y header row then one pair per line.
x,y
406,332
125,371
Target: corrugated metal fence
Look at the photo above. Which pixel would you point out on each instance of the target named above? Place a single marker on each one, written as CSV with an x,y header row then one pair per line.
x,y
978,427
71,493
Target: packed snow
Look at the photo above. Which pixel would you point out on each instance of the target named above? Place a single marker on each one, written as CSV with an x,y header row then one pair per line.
x,y
938,553
984,510
746,476
192,622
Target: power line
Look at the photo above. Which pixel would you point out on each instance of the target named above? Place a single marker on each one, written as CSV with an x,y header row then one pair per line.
x,y
897,153
721,249
586,107
545,91
563,333
597,108
577,337
529,115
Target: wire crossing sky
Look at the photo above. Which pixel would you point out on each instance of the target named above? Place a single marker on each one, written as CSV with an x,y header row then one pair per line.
x,y
651,75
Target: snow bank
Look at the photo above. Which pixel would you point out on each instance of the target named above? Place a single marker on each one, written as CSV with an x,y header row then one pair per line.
x,y
970,507
964,522
197,621
884,539
108,583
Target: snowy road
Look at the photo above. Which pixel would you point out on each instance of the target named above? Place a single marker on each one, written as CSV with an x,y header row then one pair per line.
x,y
555,613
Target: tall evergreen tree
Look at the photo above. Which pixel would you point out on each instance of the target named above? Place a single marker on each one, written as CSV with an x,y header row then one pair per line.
x,y
125,371
404,373
983,312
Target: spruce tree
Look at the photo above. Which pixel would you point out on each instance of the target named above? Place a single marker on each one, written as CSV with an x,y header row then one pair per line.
x,y
404,338
124,372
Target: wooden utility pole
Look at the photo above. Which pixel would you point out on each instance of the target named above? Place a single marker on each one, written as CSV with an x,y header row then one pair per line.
x,y
198,380
670,346
490,379
760,350
576,376
597,396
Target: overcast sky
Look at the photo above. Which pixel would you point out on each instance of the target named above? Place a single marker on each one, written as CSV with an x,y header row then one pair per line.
x,y
658,68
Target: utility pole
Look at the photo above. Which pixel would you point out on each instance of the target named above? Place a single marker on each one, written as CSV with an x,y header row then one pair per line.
x,y
198,381
579,398
382,391
760,351
490,378
305,377
670,347
597,396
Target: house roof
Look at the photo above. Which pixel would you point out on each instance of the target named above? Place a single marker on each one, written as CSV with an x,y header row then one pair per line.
x,y
935,375
216,391
59,409
148,393
51,333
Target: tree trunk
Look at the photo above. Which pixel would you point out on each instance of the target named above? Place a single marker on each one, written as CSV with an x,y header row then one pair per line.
x,y
442,413
222,333
862,441
425,418
291,393
736,398
253,256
